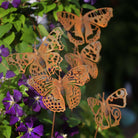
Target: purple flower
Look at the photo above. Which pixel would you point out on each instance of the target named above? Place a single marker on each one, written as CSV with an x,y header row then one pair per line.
x,y
92,1
23,80
3,52
15,118
5,4
34,100
30,130
10,103
57,135
15,3
51,26
9,74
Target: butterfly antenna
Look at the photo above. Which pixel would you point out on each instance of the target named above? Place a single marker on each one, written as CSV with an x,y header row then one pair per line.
x,y
53,124
96,131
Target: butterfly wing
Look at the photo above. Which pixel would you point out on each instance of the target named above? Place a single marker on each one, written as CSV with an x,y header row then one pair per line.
x,y
91,54
54,101
46,50
96,108
75,77
73,59
95,19
117,98
21,60
52,97
115,101
52,42
72,23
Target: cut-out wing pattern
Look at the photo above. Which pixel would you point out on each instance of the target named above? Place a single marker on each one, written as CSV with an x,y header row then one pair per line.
x,y
41,61
107,113
89,56
52,89
91,21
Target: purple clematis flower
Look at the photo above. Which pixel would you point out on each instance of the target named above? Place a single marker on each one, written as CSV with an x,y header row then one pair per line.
x,y
22,80
9,74
3,52
34,100
30,130
92,1
15,118
15,3
10,103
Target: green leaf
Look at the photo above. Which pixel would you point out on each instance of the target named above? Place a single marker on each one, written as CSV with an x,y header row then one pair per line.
x,y
136,136
88,6
8,19
28,35
59,8
75,2
17,25
4,12
4,29
76,10
42,30
1,98
22,19
7,131
73,121
50,7
68,8
23,47
23,89
10,38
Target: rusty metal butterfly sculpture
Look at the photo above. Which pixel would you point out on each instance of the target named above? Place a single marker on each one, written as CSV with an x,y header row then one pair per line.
x,y
52,89
107,113
91,21
43,58
89,56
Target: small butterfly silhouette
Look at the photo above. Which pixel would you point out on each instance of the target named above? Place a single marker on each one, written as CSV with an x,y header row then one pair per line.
x,y
42,59
107,113
89,56
91,21
52,89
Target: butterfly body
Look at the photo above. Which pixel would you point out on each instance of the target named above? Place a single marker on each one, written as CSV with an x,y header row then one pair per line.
x,y
107,113
91,21
88,56
51,89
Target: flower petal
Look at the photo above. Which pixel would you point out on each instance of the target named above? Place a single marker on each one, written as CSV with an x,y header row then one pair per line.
x,y
8,97
86,1
13,120
5,52
39,130
36,107
11,111
16,3
17,95
19,110
34,136
7,105
5,5
0,59
93,2
22,128
1,74
10,74
2,46
29,124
